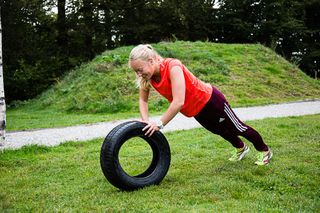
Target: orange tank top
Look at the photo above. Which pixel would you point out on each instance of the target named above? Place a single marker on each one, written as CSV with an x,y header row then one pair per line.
x,y
197,92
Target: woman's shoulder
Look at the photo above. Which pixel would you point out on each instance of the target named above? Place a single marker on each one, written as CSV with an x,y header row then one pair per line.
x,y
171,62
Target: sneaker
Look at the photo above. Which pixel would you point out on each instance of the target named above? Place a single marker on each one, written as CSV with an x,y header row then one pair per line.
x,y
264,157
240,153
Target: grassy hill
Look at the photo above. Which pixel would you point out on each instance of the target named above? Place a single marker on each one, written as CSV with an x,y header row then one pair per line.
x,y
104,89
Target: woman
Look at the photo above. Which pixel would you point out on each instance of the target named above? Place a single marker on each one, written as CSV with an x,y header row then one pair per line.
x,y
193,98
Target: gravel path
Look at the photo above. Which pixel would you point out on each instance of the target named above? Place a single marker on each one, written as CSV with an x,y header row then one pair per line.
x,y
55,136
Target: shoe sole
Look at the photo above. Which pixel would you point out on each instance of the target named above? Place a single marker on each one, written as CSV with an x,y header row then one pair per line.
x,y
245,152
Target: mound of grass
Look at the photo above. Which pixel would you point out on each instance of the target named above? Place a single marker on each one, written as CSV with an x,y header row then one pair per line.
x,y
68,178
248,74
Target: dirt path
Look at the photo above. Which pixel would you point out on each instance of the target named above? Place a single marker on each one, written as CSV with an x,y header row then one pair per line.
x,y
55,136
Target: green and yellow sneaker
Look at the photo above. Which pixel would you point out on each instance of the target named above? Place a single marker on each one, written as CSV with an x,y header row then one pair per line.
x,y
239,153
263,158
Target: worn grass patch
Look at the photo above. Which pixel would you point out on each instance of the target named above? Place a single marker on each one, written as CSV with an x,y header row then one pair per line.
x,y
201,179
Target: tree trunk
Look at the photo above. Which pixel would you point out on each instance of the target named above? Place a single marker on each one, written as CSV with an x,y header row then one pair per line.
x,y
61,26
62,38
88,28
107,28
2,100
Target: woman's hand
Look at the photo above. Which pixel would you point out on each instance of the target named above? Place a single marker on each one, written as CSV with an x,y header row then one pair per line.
x,y
151,128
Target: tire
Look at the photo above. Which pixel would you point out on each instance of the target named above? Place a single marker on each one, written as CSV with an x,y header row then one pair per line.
x,y
109,157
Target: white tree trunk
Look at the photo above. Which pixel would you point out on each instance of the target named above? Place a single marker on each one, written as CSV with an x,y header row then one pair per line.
x,y
2,100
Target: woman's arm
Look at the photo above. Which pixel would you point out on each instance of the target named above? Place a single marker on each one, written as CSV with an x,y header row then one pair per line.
x,y
143,104
178,93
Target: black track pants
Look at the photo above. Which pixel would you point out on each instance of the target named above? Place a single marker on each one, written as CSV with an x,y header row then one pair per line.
x,y
218,117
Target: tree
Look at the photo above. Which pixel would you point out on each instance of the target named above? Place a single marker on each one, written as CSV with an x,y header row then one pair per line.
x,y
2,100
290,27
310,61
39,46
196,19
61,25
62,36
29,48
88,27
237,20
107,7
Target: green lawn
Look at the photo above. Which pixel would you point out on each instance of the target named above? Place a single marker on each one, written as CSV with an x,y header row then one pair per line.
x,y
33,119
201,179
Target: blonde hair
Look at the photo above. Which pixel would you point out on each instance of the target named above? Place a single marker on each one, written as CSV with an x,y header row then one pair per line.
x,y
142,52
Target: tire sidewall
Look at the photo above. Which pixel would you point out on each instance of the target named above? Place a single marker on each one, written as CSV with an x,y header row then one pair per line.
x,y
113,170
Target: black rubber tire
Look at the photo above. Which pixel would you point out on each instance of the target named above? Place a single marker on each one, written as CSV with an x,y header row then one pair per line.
x,y
109,157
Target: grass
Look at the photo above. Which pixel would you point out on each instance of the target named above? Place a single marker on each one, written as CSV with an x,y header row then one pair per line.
x,y
104,89
201,179
33,119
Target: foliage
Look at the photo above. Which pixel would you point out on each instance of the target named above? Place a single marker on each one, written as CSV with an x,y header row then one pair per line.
x,y
247,74
40,46
68,178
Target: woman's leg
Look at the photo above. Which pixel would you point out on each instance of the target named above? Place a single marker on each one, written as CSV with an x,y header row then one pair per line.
x,y
237,127
218,117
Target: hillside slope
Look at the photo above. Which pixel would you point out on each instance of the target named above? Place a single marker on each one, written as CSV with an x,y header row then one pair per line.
x,y
249,74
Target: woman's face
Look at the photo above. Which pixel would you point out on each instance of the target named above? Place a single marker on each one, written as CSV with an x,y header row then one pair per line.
x,y
143,69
